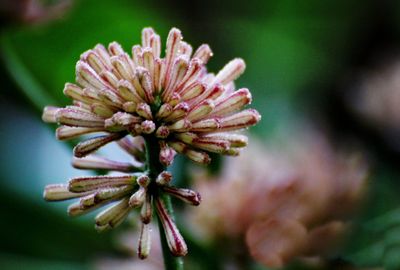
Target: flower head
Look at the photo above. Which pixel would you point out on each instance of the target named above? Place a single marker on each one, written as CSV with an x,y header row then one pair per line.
x,y
174,99
147,104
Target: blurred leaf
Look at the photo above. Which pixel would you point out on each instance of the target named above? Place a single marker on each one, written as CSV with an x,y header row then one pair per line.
x,y
392,236
391,258
368,256
42,58
23,77
376,236
44,233
12,262
386,221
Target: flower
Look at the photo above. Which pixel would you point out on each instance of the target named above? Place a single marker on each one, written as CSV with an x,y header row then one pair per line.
x,y
153,108
283,204
174,99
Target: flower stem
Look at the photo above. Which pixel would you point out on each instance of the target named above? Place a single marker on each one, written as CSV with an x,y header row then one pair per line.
x,y
155,168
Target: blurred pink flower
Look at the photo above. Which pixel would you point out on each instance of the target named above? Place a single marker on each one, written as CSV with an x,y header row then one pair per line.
x,y
285,204
32,11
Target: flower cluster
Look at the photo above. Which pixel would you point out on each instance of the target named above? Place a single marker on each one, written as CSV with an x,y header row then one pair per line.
x,y
153,108
283,204
174,99
129,191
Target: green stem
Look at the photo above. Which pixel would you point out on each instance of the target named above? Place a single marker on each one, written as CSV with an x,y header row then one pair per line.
x,y
155,168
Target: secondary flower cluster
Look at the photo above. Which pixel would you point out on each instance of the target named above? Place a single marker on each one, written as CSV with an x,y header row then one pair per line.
x,y
286,203
131,191
147,104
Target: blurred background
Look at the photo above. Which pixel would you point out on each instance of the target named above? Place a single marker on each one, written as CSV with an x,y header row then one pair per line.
x,y
324,75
